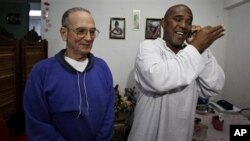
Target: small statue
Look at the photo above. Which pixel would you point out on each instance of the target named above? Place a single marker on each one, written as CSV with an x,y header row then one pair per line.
x,y
32,35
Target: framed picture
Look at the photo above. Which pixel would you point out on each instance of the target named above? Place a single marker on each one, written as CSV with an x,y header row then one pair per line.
x,y
117,28
136,17
153,28
14,18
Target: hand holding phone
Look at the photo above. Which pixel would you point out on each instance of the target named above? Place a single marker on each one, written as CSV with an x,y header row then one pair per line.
x,y
203,37
191,35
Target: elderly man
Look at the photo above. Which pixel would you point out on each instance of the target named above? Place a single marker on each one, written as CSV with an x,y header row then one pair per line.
x,y
70,96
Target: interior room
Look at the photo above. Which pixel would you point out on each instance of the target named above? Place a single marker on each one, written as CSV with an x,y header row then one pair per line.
x,y
231,51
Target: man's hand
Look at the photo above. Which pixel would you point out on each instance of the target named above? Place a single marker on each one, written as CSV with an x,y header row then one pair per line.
x,y
194,29
202,38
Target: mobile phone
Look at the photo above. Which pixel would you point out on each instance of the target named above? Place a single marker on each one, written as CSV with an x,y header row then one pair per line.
x,y
189,37
190,34
225,104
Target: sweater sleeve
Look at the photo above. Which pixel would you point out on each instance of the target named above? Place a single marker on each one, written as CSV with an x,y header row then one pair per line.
x,y
211,79
105,133
36,108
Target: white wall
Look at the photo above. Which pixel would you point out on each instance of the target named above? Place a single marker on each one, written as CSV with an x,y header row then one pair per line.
x,y
237,64
120,54
229,4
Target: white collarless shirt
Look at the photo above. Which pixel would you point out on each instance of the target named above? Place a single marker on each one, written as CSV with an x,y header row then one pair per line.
x,y
78,65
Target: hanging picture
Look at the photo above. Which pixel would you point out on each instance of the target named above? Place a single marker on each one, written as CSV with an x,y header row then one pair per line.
x,y
13,18
136,16
153,28
117,28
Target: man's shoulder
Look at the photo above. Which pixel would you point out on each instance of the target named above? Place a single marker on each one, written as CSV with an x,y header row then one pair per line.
x,y
151,44
151,41
45,63
99,61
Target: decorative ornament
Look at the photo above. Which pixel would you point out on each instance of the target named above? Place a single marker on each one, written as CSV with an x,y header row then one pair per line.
x,y
45,15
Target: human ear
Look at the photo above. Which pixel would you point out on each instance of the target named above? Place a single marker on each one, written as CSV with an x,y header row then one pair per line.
x,y
162,23
63,32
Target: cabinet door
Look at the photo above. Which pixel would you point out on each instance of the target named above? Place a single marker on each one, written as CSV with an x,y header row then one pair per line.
x,y
9,77
32,52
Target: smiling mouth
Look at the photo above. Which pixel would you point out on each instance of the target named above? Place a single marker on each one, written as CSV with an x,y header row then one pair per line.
x,y
84,44
180,33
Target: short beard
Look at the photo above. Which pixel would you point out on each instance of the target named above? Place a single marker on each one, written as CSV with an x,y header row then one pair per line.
x,y
183,45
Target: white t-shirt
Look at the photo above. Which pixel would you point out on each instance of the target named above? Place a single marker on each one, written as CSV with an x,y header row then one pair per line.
x,y
78,65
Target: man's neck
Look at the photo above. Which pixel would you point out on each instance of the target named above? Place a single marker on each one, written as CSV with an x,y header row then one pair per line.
x,y
75,57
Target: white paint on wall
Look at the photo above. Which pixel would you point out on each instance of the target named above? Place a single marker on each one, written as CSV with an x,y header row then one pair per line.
x,y
229,4
237,64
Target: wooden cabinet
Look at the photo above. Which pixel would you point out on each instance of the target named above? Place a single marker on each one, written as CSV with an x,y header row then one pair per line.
x,y
31,53
9,77
17,58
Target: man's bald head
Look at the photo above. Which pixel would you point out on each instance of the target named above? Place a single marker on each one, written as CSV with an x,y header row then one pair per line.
x,y
173,9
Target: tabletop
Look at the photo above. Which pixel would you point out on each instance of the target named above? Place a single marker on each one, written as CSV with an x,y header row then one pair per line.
x,y
229,119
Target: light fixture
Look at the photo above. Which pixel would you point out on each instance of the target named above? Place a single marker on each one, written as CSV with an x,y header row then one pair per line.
x,y
35,13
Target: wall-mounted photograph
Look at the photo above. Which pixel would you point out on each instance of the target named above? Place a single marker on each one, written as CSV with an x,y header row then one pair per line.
x,y
117,28
14,18
153,28
136,16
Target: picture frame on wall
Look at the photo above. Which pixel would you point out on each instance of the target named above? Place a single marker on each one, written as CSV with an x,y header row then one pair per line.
x,y
153,28
136,17
117,28
13,18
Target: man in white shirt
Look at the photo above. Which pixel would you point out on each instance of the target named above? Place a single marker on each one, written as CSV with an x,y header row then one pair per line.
x,y
170,74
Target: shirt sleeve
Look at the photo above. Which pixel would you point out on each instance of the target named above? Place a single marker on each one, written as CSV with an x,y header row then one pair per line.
x,y
211,79
159,71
